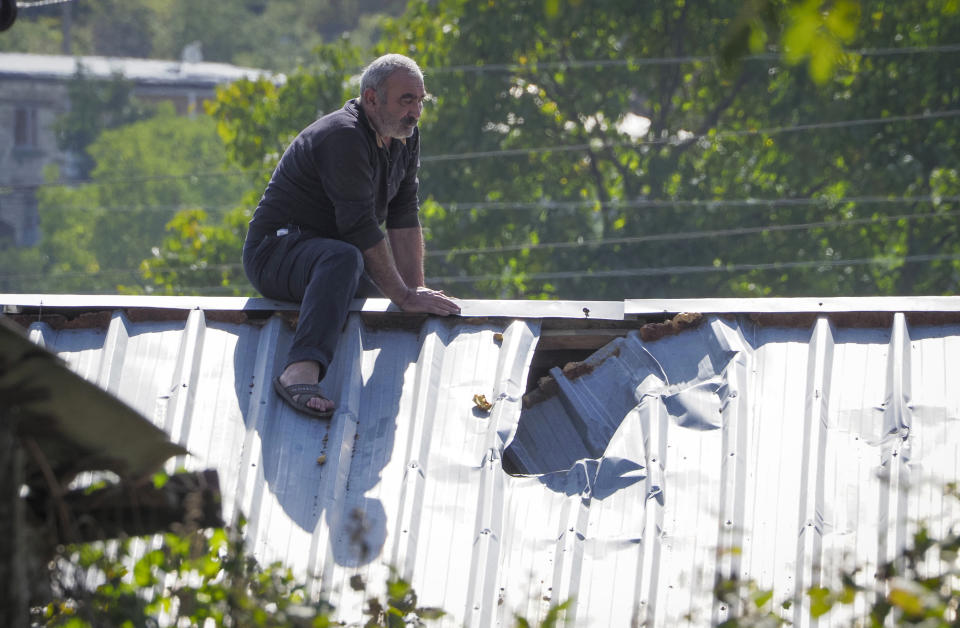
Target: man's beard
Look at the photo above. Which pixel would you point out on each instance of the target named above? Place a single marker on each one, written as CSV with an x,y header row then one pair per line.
x,y
401,128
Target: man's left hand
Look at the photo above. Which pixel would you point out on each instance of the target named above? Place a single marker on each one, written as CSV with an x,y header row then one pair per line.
x,y
429,301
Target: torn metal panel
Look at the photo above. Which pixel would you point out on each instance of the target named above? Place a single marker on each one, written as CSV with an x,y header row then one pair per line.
x,y
791,453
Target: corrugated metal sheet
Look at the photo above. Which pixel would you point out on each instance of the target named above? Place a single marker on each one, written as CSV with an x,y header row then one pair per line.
x,y
775,453
38,66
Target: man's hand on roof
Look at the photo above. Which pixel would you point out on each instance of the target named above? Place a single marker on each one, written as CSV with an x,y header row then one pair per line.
x,y
429,301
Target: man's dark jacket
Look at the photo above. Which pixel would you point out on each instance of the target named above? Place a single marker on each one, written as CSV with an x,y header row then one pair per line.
x,y
336,180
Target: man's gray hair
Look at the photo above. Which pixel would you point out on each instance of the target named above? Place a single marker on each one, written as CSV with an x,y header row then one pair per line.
x,y
376,74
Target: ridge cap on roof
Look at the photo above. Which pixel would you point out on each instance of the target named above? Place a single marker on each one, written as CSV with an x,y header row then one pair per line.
x,y
597,310
506,308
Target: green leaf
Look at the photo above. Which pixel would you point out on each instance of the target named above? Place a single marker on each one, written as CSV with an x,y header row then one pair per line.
x,y
906,601
761,598
820,601
160,479
398,588
430,613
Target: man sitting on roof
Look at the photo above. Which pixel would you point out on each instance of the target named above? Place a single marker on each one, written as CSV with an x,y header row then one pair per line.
x,y
315,236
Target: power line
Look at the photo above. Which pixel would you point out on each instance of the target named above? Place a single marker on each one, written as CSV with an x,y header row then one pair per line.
x,y
513,152
145,208
591,274
683,270
688,235
40,3
141,179
673,60
458,206
678,203
687,139
678,60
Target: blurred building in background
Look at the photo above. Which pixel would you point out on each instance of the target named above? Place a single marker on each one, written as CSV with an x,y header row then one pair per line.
x,y
34,92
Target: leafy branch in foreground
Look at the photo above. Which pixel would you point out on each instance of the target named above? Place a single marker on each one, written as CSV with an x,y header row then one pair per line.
x,y
204,574
919,587
201,575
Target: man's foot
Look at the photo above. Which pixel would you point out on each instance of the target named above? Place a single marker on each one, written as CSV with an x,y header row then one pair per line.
x,y
299,373
304,397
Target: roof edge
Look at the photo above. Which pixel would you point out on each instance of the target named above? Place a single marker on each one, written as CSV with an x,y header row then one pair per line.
x,y
472,308
793,305
497,308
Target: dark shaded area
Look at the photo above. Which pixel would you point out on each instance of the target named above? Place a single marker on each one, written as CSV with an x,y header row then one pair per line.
x,y
55,425
8,14
188,499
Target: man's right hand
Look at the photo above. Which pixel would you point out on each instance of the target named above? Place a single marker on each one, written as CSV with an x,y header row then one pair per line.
x,y
430,302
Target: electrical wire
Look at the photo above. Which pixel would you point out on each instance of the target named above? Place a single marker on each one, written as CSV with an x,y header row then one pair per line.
x,y
674,141
146,208
684,270
685,140
679,203
124,181
690,235
638,62
686,235
40,3
636,272
461,206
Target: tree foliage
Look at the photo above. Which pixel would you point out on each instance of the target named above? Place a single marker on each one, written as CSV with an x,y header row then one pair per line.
x,y
196,576
542,99
919,587
277,35
719,148
96,234
96,105
573,152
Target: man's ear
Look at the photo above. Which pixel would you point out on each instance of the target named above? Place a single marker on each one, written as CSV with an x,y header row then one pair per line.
x,y
370,96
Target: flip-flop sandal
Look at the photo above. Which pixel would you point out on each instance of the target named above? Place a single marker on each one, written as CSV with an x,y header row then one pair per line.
x,y
291,392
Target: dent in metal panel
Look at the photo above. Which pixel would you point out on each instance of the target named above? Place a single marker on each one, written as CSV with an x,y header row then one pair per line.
x,y
591,402
669,387
458,459
934,373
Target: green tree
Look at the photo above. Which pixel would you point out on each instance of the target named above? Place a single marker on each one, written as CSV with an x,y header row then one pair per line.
x,y
917,588
533,101
96,105
199,575
572,151
278,35
197,256
96,234
256,119
195,576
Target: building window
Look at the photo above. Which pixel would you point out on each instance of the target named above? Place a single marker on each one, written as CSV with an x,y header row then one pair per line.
x,y
25,128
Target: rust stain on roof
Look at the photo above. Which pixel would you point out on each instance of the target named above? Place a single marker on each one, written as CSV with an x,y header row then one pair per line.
x,y
683,321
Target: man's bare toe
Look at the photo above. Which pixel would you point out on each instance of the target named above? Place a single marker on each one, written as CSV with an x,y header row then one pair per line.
x,y
320,403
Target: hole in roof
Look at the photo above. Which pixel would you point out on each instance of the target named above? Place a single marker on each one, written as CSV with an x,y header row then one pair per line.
x,y
582,384
561,355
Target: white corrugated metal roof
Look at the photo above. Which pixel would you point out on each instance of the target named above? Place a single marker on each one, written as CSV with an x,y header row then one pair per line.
x,y
139,70
777,453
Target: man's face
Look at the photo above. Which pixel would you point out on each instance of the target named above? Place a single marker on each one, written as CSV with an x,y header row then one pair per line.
x,y
396,110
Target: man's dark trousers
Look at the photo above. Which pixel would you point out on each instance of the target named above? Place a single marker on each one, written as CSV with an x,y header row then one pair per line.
x,y
321,274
